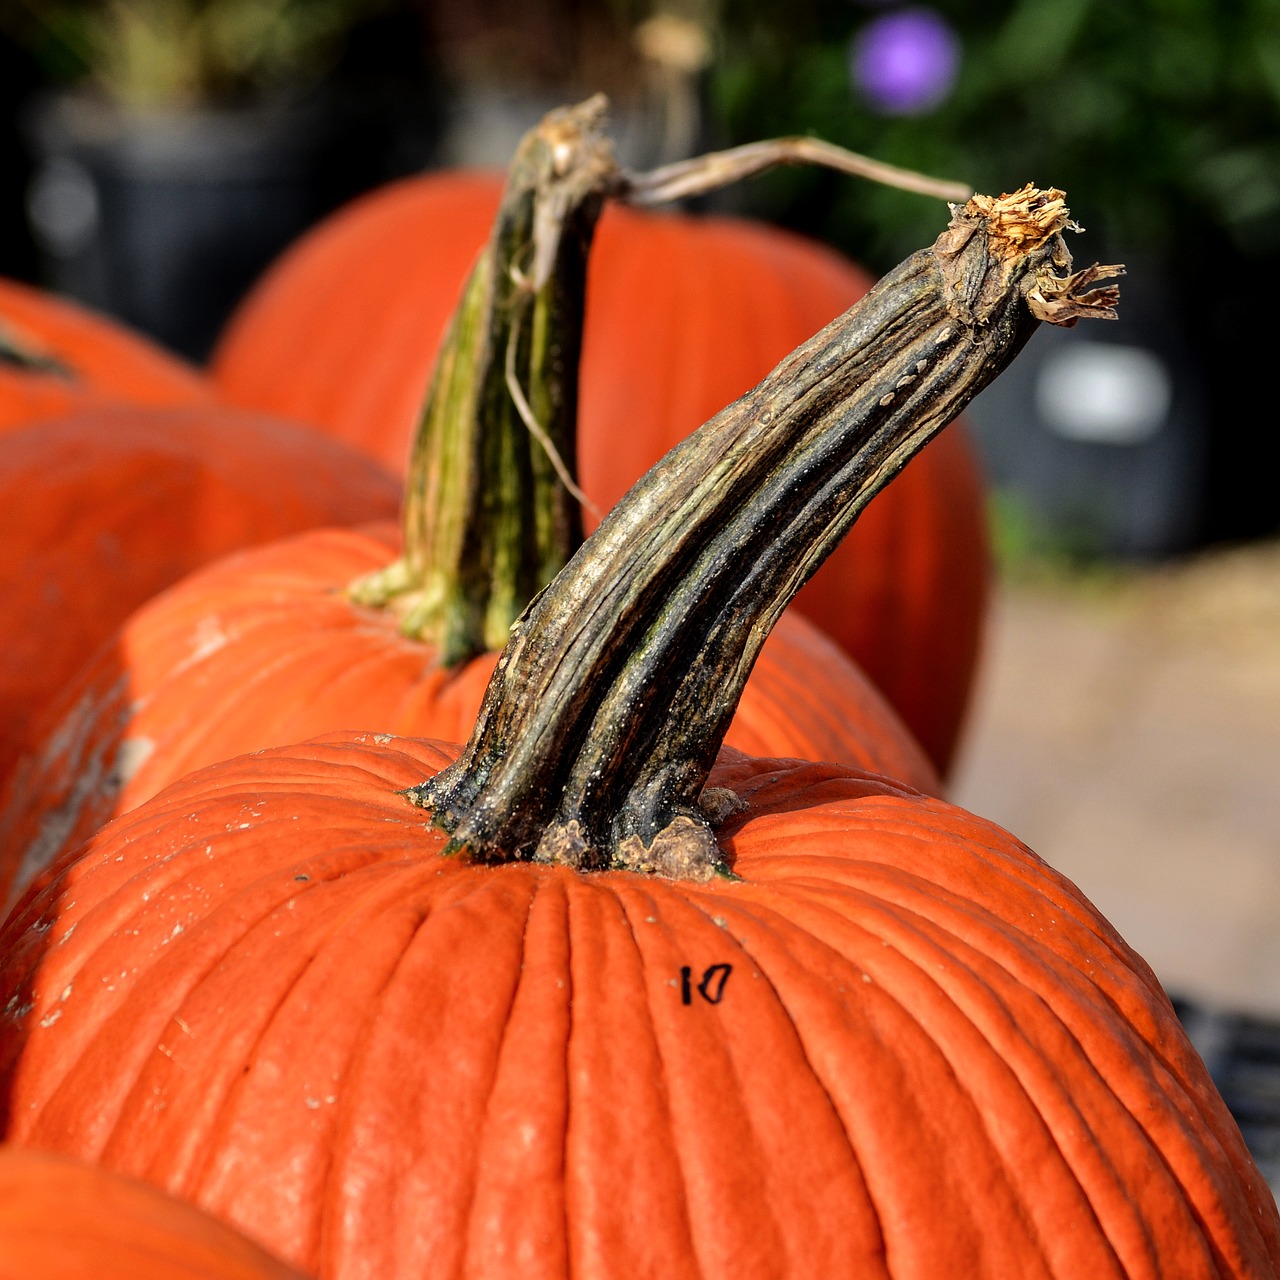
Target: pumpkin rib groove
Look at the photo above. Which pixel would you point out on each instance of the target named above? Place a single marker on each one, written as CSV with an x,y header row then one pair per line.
x,y
1021,875
570,998
341,958
158,973
1047,1014
521,1140
243,1060
821,895
460,1010
469,1224
353,907
693,1160
928,892
767,918
864,1127
57,1078
701,903
923,1013
624,1045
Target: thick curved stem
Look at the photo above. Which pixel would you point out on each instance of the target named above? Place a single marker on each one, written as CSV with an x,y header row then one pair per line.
x,y
610,702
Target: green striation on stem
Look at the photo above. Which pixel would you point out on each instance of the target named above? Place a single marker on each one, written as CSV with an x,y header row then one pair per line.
x,y
491,511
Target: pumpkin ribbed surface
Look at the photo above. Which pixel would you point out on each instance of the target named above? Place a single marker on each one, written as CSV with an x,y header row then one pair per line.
x,y
64,1220
898,1045
103,362
263,649
100,510
683,315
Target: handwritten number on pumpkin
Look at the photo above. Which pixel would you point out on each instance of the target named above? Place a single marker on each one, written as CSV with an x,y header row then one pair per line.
x,y
710,987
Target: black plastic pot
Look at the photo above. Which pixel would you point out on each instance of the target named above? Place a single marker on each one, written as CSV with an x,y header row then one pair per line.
x,y
163,219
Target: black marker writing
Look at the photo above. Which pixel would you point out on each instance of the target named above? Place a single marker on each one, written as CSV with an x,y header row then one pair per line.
x,y
710,987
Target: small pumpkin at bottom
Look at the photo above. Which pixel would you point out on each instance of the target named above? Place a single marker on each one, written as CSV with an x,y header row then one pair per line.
x,y
61,1219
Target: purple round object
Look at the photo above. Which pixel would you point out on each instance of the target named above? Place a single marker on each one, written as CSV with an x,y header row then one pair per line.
x,y
905,62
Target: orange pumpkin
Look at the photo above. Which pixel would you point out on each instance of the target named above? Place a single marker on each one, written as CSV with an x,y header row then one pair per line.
x,y
57,357
896,1044
684,314
102,509
64,1220
265,648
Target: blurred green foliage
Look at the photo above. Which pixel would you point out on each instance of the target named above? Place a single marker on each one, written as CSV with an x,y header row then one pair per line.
x,y
1159,118
169,53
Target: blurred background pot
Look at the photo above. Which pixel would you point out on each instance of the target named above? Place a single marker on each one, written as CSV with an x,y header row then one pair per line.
x,y
1096,443
175,146
163,217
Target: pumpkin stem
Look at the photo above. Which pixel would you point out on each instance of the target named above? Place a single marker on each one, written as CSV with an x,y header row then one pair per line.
x,y
609,704
492,508
701,174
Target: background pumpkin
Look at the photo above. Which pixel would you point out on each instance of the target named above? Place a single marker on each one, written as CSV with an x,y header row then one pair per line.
x,y
264,648
683,316
102,509
98,361
64,1220
268,993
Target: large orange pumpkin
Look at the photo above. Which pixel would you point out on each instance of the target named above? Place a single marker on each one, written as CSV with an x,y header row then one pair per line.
x,y
102,509
61,1219
57,356
896,1044
684,314
265,648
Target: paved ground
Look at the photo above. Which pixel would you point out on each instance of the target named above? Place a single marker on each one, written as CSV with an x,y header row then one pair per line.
x,y
1128,729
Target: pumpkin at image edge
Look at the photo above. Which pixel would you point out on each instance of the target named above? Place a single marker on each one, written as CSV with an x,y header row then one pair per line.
x,y
64,1220
102,508
684,314
57,357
